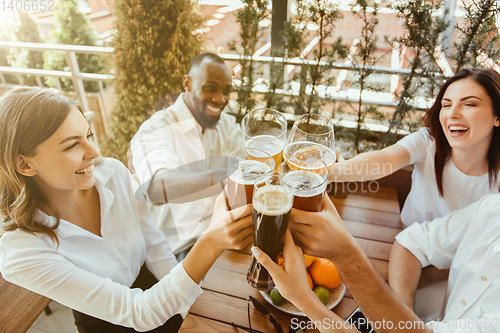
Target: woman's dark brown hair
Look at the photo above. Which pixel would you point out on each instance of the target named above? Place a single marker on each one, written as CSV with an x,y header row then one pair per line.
x,y
489,79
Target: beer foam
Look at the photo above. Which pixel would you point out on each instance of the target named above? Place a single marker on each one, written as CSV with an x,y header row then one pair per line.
x,y
272,200
268,143
307,183
248,171
307,153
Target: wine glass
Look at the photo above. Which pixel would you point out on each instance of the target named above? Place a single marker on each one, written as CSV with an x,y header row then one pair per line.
x,y
312,135
265,129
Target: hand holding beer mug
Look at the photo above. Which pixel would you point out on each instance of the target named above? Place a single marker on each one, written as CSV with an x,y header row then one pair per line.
x,y
245,166
312,135
272,204
308,180
265,129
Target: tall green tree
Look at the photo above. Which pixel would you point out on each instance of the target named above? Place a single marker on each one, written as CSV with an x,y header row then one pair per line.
x,y
253,12
73,27
422,32
154,43
22,28
366,57
478,35
325,15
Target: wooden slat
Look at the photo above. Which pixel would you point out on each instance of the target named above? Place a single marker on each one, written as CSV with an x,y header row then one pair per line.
x,y
231,309
197,324
369,216
375,249
368,202
19,307
217,281
371,231
233,261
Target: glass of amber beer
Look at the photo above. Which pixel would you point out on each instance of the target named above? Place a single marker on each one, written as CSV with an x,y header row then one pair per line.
x,y
272,204
308,180
265,129
245,166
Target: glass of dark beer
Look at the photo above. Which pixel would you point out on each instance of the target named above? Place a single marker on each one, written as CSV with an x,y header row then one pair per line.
x,y
272,204
308,179
245,166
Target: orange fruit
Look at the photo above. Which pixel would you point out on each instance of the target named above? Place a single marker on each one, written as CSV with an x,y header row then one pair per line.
x,y
309,260
324,273
309,279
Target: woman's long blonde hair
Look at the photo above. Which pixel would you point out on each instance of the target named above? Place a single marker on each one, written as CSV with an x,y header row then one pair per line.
x,y
28,117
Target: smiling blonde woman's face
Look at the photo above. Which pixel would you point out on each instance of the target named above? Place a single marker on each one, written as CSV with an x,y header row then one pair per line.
x,y
64,161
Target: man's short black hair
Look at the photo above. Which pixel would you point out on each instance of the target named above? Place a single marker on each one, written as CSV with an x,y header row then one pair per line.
x,y
202,56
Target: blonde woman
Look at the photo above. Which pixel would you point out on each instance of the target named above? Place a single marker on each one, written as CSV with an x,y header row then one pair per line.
x,y
74,233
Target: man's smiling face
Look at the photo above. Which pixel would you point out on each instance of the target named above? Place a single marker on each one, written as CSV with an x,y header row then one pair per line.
x,y
207,91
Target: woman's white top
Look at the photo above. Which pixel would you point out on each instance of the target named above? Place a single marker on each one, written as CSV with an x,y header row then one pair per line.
x,y
424,203
92,274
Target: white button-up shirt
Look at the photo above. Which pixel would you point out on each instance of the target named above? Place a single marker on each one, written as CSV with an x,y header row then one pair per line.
x,y
92,274
169,140
467,242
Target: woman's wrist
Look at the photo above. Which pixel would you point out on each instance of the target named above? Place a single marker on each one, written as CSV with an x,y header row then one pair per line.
x,y
305,300
210,245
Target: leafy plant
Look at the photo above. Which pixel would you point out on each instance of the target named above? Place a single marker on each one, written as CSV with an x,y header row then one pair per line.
x,y
253,12
23,28
72,27
154,45
478,36
365,57
422,30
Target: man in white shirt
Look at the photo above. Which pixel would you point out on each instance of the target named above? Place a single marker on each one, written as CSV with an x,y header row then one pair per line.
x,y
175,152
467,242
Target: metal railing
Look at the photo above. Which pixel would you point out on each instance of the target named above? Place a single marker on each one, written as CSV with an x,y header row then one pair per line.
x,y
74,73
78,77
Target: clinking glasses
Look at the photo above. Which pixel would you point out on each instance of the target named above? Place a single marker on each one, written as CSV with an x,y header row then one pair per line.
x,y
262,309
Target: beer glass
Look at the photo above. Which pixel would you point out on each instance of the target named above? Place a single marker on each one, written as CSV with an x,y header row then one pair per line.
x,y
245,166
265,129
308,181
272,204
312,128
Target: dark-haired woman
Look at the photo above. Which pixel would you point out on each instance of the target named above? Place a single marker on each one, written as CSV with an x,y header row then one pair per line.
x,y
73,231
456,156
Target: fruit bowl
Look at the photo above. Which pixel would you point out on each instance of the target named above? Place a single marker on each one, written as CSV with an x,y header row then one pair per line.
x,y
336,295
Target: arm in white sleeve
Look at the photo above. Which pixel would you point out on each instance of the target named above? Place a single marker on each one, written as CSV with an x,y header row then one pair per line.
x,y
31,263
435,242
164,177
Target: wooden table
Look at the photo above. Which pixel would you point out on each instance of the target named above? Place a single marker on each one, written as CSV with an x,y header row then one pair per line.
x,y
19,307
372,218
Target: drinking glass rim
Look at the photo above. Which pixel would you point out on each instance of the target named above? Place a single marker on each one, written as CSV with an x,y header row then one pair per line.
x,y
280,114
310,143
267,156
310,115
309,188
